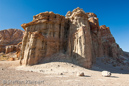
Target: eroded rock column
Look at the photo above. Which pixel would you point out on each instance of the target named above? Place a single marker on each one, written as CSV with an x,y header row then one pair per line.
x,y
80,42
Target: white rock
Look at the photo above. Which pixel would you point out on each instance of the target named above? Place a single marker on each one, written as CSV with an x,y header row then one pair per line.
x,y
106,73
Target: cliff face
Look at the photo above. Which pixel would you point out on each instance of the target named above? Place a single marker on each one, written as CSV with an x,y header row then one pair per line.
x,y
9,39
44,36
110,47
97,48
78,35
79,40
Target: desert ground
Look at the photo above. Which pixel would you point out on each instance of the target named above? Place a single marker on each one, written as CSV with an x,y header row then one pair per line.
x,y
60,74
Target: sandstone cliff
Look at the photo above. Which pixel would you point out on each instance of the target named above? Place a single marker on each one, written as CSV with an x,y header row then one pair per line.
x,y
110,47
77,35
9,39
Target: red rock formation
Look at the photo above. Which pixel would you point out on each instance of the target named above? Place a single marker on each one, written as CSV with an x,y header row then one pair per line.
x,y
10,48
9,38
18,51
110,47
44,37
78,35
80,42
96,36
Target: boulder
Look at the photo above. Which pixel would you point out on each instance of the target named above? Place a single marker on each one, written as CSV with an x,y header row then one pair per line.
x,y
80,74
106,73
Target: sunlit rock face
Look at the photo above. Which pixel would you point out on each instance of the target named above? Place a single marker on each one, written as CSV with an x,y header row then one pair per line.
x,y
9,39
44,36
78,35
110,47
79,41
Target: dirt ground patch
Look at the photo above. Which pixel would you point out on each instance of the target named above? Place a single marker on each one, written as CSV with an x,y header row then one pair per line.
x,y
49,74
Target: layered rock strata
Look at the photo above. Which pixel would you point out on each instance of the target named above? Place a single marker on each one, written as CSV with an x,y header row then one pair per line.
x,y
78,35
9,39
44,36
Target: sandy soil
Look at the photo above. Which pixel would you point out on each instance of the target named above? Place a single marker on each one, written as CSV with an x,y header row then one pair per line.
x,y
59,74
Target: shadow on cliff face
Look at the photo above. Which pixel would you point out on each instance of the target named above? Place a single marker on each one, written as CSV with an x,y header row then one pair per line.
x,y
75,59
100,64
59,57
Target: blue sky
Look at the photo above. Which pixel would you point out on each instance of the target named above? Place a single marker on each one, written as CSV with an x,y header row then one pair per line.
x,y
112,13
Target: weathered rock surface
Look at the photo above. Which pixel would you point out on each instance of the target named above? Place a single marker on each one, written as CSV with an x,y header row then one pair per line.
x,y
78,35
79,41
97,49
110,47
10,48
18,50
9,39
44,36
